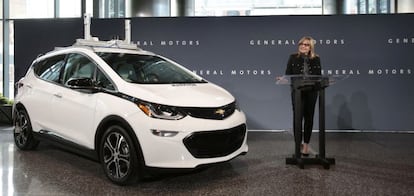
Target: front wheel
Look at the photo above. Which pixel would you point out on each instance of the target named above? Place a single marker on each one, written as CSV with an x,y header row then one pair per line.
x,y
119,157
23,133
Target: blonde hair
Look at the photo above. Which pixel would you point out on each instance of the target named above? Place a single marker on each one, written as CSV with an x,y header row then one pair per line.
x,y
312,53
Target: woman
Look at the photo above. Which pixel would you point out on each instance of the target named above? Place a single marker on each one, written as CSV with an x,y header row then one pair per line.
x,y
305,62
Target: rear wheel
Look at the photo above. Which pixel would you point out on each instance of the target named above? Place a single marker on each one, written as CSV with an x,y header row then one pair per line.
x,y
119,156
23,133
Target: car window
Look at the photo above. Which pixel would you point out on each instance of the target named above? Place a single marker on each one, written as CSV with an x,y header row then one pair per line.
x,y
103,81
49,69
79,66
147,69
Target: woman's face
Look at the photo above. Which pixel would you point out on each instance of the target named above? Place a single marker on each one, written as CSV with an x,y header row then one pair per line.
x,y
304,47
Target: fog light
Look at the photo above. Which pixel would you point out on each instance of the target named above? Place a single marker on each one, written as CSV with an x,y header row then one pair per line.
x,y
163,133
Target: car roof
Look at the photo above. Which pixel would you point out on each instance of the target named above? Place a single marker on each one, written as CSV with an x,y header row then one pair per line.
x,y
112,46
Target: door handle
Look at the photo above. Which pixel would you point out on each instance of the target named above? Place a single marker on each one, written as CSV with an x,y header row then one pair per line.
x,y
58,95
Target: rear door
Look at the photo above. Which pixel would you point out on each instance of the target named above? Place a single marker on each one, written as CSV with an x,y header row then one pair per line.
x,y
39,91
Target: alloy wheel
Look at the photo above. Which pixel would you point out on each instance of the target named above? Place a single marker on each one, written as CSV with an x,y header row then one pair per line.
x,y
116,155
23,135
21,131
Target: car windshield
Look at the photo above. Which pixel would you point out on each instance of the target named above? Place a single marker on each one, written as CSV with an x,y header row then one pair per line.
x,y
148,69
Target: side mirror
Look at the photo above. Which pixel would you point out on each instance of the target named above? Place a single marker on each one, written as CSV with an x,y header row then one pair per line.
x,y
83,84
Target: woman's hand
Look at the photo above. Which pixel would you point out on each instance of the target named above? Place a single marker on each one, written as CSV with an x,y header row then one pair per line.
x,y
281,80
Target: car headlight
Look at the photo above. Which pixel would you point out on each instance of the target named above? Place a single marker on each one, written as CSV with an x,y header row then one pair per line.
x,y
161,111
237,107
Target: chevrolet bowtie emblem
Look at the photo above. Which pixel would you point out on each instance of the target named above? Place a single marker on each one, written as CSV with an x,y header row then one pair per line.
x,y
220,111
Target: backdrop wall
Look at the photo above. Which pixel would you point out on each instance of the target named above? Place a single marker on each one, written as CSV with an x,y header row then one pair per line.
x,y
245,54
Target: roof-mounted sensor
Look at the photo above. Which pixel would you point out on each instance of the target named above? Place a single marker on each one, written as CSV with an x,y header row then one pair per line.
x,y
106,44
90,41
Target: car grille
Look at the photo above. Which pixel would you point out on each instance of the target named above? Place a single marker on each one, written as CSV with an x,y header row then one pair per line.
x,y
217,113
210,144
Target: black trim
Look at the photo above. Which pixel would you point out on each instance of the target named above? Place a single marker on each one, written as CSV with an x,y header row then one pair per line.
x,y
215,113
215,143
67,145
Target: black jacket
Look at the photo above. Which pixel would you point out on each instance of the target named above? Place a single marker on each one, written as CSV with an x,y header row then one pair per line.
x,y
295,65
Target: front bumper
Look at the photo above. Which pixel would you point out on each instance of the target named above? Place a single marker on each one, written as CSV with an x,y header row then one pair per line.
x,y
198,141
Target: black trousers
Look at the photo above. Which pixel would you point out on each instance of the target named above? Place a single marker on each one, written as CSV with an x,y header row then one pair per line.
x,y
308,98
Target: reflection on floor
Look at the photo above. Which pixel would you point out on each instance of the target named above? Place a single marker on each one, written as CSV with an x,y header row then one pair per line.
x,y
366,164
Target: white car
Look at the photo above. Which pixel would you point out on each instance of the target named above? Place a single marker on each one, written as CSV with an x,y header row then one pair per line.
x,y
128,108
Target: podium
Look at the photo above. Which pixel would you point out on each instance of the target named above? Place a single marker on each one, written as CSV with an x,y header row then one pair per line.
x,y
300,83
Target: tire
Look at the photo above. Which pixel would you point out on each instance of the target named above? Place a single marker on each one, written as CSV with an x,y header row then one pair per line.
x,y
23,132
119,157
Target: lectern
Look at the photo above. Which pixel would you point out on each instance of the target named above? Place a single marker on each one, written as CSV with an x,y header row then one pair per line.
x,y
300,83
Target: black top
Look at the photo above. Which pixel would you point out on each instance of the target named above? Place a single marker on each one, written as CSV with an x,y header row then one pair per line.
x,y
296,65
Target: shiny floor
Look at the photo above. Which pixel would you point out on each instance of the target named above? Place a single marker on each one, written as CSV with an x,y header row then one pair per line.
x,y
366,164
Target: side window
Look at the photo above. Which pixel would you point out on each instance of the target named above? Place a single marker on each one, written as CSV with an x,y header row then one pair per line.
x,y
78,66
49,69
103,81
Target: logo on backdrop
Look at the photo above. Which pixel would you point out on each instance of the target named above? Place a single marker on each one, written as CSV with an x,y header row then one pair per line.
x,y
234,72
400,40
369,71
168,43
289,42
268,72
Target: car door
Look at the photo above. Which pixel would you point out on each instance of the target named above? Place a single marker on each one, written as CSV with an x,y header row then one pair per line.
x,y
40,88
74,110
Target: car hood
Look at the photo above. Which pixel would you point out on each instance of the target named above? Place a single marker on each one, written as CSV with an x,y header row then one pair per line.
x,y
185,95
